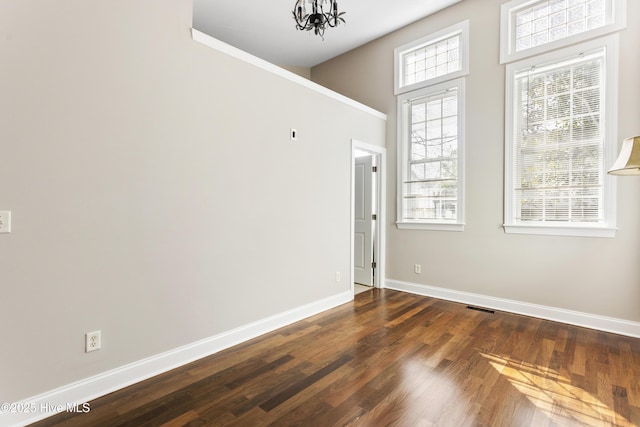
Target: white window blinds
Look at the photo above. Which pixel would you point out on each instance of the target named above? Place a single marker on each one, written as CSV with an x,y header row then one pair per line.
x,y
430,185
558,141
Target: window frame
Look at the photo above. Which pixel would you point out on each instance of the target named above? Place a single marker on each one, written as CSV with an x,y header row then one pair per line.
x,y
403,139
607,227
461,28
616,16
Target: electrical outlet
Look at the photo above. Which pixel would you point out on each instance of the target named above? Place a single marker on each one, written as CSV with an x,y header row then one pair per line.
x,y
417,268
5,221
92,341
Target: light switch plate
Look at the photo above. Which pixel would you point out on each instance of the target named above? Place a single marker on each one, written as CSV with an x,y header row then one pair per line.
x,y
5,221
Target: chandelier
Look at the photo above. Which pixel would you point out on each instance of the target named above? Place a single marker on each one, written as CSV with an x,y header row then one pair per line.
x,y
317,19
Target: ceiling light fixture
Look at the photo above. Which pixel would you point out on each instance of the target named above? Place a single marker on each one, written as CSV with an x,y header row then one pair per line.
x,y
318,19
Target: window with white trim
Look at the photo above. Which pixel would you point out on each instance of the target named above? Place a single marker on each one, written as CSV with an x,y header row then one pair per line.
x,y
430,141
529,27
430,60
560,137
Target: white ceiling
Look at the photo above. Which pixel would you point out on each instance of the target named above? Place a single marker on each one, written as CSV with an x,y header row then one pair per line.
x,y
267,30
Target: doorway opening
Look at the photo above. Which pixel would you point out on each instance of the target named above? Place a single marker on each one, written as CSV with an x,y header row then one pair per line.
x,y
368,192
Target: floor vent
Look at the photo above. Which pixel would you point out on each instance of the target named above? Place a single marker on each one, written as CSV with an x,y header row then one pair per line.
x,y
486,310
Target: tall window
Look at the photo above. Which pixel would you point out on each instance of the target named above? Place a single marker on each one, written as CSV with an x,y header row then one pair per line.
x,y
430,169
560,137
430,80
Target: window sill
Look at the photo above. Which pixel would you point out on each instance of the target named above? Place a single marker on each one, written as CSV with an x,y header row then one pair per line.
x,y
430,226
561,230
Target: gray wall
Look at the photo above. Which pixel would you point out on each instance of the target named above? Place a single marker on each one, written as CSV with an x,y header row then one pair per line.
x,y
592,275
155,193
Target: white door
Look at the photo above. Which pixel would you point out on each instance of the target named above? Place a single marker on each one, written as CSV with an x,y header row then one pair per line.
x,y
363,225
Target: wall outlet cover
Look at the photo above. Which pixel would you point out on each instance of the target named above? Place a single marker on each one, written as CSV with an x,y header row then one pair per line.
x,y
93,341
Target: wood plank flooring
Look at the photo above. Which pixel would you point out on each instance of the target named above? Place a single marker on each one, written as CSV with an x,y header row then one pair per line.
x,y
394,359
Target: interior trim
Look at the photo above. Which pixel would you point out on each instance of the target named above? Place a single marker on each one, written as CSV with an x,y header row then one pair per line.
x,y
577,318
223,47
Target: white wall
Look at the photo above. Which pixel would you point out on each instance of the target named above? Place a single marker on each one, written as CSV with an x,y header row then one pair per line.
x,y
155,193
596,276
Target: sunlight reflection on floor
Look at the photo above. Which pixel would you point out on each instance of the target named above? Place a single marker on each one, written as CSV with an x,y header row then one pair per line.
x,y
554,395
422,407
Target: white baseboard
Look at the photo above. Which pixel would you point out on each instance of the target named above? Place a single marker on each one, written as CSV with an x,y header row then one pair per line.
x,y
592,321
44,405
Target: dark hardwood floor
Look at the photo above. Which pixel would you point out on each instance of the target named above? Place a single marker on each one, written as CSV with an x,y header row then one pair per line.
x,y
394,359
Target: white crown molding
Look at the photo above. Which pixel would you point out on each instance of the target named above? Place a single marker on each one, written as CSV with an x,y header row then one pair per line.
x,y
577,318
49,403
227,49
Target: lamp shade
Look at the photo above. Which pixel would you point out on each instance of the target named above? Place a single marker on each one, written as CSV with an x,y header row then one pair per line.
x,y
628,162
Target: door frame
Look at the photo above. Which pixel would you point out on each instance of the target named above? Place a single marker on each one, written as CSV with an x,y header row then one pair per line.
x,y
379,238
